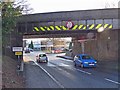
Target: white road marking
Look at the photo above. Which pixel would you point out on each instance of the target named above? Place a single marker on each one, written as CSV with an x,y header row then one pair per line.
x,y
50,76
112,81
51,65
57,64
83,71
66,60
62,64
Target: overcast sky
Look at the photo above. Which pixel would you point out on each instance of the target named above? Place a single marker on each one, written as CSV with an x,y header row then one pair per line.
x,y
41,6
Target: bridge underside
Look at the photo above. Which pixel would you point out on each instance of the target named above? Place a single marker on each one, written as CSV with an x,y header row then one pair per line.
x,y
58,34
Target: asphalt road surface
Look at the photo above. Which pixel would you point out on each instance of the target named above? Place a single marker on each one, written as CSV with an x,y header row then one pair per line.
x,y
61,73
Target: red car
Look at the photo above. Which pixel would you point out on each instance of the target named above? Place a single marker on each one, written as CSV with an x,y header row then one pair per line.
x,y
56,51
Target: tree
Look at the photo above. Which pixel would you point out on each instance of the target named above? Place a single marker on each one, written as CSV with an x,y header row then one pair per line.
x,y
31,45
109,4
24,6
10,14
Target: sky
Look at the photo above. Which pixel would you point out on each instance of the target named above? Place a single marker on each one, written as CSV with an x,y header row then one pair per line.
x,y
43,6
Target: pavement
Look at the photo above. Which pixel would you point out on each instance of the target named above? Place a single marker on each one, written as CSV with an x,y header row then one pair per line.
x,y
10,77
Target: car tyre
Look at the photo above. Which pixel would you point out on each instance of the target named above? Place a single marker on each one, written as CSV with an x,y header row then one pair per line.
x,y
46,61
38,61
75,64
82,65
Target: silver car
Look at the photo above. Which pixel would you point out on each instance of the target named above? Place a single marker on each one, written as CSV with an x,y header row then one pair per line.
x,y
42,58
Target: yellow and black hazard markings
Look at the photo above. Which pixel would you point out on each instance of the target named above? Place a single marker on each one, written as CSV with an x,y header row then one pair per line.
x,y
97,26
105,25
81,27
52,27
36,29
57,28
42,28
84,28
63,27
91,26
75,27
108,26
47,28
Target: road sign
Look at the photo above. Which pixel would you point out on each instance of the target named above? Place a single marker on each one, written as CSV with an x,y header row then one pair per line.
x,y
69,24
16,49
18,53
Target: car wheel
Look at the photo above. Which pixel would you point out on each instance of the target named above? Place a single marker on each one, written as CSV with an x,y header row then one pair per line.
x,y
75,64
37,61
82,65
46,61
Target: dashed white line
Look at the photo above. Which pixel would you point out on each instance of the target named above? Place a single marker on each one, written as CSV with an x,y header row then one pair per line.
x,y
51,65
66,60
62,64
83,71
112,81
50,76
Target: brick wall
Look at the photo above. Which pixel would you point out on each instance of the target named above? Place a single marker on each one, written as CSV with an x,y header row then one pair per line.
x,y
105,47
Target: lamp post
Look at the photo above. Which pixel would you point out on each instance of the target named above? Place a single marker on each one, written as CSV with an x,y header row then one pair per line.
x,y
101,29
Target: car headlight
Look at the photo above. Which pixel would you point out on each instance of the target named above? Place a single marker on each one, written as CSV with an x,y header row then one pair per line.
x,y
95,62
86,62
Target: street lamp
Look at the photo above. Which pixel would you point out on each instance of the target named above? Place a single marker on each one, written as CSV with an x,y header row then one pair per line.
x,y
101,29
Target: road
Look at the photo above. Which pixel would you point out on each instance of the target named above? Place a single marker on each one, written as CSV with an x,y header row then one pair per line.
x,y
61,73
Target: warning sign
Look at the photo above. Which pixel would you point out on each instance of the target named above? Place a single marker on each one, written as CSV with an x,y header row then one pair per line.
x,y
18,53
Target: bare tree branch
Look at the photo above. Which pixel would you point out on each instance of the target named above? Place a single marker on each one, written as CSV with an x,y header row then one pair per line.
x,y
23,5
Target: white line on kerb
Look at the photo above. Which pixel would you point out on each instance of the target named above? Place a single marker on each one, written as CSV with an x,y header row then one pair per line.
x,y
50,76
83,71
112,81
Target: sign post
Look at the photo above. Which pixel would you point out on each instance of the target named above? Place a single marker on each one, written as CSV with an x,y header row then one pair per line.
x,y
18,52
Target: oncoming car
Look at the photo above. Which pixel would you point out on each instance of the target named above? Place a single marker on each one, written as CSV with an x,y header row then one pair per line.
x,y
27,51
31,49
84,60
42,58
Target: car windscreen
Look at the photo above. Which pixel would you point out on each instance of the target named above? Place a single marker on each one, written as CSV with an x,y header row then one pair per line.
x,y
86,57
42,55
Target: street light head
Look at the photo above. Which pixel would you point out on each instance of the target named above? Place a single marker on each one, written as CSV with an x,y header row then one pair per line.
x,y
101,29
